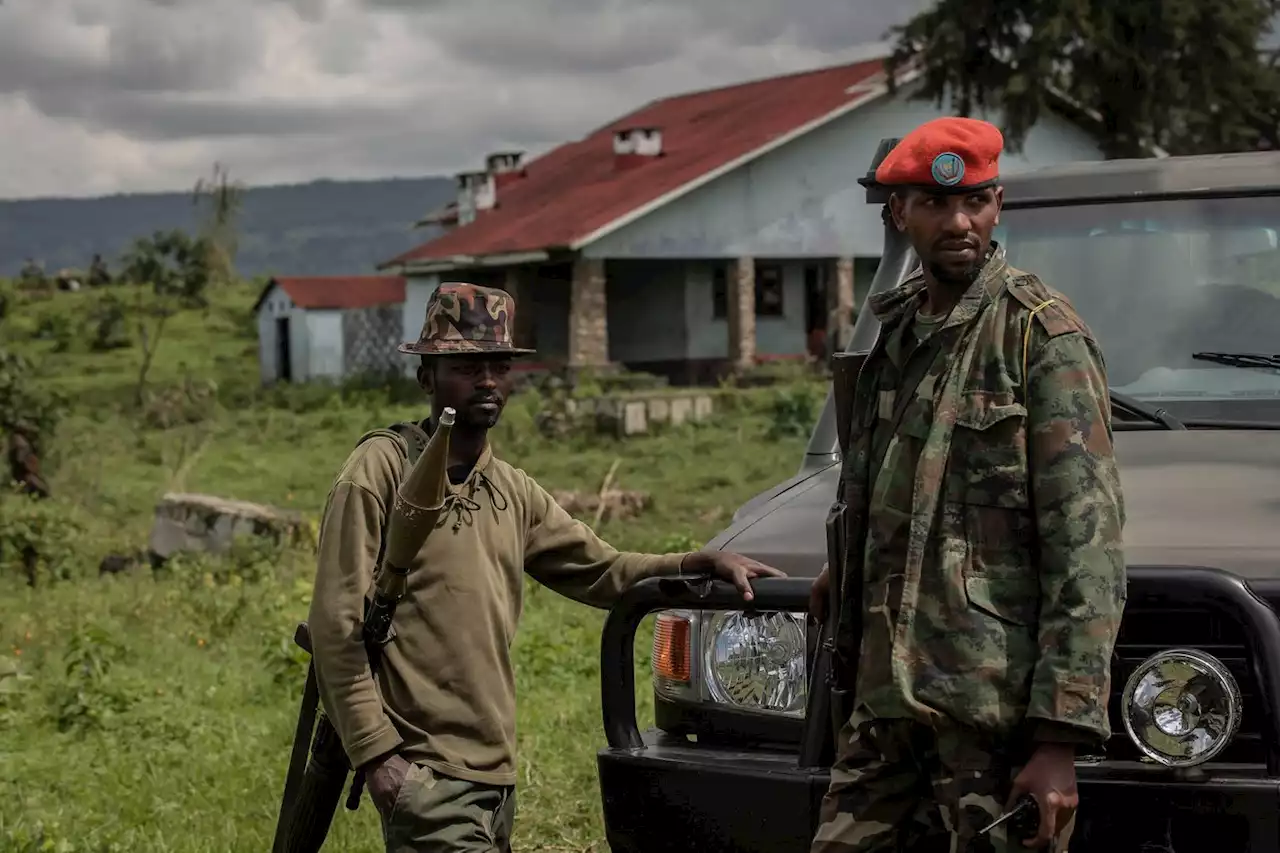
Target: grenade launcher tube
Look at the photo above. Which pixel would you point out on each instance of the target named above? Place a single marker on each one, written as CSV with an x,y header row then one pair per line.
x,y
312,792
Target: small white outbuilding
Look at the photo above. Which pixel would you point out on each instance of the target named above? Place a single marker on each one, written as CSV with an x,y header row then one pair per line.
x,y
329,327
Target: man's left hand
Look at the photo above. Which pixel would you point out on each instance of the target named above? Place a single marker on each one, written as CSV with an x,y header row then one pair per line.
x,y
734,568
1050,777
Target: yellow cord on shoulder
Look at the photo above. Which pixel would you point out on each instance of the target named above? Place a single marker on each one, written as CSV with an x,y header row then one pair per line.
x,y
1026,338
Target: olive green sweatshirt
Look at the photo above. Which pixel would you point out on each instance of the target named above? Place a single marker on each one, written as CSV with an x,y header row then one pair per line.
x,y
445,691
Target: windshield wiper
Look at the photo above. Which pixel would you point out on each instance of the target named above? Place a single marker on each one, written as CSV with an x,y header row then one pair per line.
x,y
1240,359
1161,417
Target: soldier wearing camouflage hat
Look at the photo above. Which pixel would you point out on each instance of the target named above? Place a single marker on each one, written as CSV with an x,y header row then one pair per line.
x,y
436,735
984,520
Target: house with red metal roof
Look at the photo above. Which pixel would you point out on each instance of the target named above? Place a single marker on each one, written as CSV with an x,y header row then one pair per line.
x,y
701,231
329,327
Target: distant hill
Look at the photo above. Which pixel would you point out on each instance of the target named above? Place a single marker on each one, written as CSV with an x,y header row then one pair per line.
x,y
320,228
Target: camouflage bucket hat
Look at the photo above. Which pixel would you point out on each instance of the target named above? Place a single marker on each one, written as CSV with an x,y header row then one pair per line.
x,y
466,318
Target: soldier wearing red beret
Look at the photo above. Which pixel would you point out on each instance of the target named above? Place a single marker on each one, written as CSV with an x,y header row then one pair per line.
x,y
984,521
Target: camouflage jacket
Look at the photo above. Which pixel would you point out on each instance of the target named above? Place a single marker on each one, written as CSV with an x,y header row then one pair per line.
x,y
989,543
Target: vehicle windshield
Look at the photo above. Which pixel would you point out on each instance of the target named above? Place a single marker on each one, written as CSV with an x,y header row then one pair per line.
x,y
1159,281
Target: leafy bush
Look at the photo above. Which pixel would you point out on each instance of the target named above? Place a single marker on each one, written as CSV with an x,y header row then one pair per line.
x,y
87,698
21,399
45,527
108,325
794,409
187,402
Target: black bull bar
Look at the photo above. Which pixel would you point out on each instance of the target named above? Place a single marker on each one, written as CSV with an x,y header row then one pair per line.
x,y
1149,588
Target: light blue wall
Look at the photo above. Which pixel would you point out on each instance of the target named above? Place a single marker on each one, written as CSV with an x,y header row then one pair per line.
x,y
315,339
708,337
277,305
324,345
417,290
646,310
802,200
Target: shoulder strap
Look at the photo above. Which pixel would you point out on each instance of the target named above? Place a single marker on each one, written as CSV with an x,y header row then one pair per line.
x,y
1051,310
416,439
414,436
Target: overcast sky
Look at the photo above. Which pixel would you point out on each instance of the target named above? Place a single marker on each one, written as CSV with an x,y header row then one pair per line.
x,y
103,96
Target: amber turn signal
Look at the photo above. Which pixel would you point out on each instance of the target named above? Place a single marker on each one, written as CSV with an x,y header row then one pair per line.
x,y
672,657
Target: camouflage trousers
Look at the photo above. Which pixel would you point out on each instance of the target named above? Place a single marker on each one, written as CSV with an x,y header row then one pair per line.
x,y
897,785
434,813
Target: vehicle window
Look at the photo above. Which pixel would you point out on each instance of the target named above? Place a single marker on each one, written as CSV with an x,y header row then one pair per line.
x,y
1160,280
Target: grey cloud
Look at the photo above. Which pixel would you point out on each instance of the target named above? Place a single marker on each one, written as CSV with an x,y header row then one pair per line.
x,y
602,36
140,50
364,88
558,36
169,118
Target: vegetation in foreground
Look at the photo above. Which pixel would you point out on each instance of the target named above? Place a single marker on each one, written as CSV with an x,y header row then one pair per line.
x,y
154,712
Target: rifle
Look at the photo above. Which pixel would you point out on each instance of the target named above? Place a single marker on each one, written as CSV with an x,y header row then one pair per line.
x,y
841,674
313,786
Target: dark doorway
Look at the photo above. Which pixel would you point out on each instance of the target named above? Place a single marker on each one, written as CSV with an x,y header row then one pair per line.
x,y
816,309
284,365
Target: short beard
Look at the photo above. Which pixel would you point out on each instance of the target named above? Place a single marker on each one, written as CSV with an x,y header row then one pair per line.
x,y
950,279
962,279
476,423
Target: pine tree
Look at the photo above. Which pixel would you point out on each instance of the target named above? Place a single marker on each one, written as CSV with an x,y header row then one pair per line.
x,y
1183,75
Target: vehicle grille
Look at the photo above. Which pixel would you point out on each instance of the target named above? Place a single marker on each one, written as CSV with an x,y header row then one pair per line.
x,y
1146,632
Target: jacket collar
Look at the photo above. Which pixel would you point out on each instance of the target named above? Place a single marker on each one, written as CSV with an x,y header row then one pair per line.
x,y
892,305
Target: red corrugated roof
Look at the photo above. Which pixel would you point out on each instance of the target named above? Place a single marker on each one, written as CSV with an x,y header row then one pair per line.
x,y
341,291
575,189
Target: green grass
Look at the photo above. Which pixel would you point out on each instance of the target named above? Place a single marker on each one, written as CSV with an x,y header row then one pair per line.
x,y
155,713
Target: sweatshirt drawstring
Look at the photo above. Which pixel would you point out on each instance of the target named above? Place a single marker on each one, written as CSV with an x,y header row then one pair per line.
x,y
464,507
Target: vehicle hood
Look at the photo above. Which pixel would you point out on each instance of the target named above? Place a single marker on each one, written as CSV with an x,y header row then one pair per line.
x,y
1200,497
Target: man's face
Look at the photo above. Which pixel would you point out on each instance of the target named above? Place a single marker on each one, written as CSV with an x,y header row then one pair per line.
x,y
950,232
476,387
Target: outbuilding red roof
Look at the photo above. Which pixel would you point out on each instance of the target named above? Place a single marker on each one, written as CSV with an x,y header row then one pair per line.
x,y
577,188
338,292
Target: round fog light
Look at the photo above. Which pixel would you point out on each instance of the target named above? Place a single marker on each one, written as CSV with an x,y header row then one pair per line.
x,y
1181,707
757,662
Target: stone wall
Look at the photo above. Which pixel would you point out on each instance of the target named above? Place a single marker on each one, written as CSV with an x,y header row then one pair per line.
x,y
843,304
588,317
742,313
370,337
186,523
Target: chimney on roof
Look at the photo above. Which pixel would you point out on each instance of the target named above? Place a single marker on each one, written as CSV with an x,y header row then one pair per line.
x,y
505,167
635,145
475,195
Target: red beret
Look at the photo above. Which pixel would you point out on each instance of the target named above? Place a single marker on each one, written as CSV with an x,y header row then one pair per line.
x,y
945,155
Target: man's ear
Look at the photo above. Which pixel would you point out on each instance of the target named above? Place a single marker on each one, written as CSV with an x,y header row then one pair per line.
x,y
999,203
426,377
898,210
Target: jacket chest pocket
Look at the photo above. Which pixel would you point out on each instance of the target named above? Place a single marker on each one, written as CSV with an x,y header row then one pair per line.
x,y
987,465
988,507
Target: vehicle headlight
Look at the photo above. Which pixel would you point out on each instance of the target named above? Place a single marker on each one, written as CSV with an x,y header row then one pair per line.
x,y
1181,707
756,662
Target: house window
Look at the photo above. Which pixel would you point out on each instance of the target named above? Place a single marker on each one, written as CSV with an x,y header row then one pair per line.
x,y
768,291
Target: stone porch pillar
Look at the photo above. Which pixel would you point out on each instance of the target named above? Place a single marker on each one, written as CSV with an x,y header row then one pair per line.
x,y
588,318
520,284
742,313
844,305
